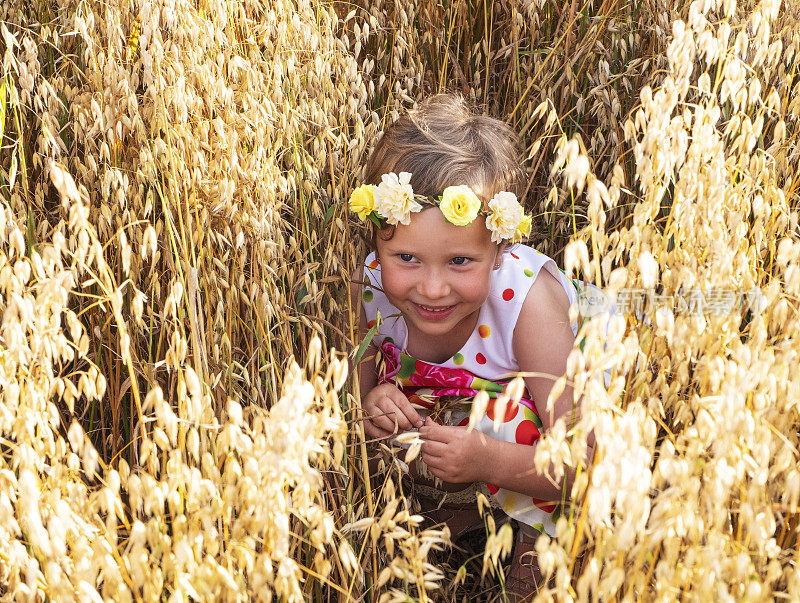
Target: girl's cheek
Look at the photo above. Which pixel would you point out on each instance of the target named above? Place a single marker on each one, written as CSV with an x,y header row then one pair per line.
x,y
393,283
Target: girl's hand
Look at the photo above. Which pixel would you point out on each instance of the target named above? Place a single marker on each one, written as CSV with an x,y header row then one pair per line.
x,y
387,410
454,454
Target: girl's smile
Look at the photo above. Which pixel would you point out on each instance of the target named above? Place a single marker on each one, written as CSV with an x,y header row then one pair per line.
x,y
437,274
434,312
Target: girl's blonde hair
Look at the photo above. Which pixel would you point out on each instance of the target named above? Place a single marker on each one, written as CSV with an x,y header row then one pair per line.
x,y
443,143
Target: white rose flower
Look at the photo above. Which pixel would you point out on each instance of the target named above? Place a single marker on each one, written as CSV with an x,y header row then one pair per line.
x,y
394,198
504,217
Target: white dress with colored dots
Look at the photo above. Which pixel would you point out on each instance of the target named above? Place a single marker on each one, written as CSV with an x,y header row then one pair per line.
x,y
488,353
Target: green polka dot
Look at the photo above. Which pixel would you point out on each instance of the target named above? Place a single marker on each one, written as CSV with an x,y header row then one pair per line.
x,y
367,295
510,502
532,416
528,272
389,339
458,358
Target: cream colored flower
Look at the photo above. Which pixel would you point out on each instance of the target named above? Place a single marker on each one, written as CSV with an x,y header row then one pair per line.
x,y
459,205
394,198
362,200
505,216
524,228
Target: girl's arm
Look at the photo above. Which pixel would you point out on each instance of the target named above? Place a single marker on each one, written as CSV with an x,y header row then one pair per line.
x,y
456,455
542,341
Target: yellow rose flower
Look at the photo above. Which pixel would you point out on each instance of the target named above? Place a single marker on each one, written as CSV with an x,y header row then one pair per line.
x,y
459,205
362,200
524,228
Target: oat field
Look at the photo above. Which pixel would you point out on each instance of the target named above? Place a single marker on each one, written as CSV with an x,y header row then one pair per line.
x,y
177,416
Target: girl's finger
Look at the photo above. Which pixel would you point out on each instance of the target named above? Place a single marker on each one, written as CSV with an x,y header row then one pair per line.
x,y
373,431
390,408
434,432
434,448
409,412
384,420
439,471
433,462
426,426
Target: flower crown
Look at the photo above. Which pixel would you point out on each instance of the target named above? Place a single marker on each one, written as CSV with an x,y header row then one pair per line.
x,y
394,200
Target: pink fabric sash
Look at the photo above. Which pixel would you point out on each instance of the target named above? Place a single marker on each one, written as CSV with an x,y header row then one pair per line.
x,y
424,383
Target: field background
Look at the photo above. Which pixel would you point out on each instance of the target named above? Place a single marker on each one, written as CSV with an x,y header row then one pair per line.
x,y
175,250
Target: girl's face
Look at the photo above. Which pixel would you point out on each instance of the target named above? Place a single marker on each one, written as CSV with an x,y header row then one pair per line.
x,y
437,274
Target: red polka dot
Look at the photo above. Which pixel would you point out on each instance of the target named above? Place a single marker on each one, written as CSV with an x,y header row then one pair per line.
x,y
480,358
373,264
371,323
492,489
511,410
508,294
464,422
527,433
515,256
544,505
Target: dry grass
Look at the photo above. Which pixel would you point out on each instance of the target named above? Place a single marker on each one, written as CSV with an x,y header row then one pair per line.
x,y
173,235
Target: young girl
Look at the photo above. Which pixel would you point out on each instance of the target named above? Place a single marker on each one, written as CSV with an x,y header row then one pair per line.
x,y
459,307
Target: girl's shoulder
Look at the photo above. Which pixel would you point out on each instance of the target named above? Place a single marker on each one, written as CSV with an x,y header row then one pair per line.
x,y
524,275
522,267
544,337
548,298
542,291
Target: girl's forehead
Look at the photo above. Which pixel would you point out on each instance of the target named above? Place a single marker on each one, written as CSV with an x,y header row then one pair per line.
x,y
429,230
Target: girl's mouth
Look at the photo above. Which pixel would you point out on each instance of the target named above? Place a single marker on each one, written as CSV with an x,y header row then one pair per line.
x,y
433,312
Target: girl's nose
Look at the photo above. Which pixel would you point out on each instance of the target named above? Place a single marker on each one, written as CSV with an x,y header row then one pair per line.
x,y
434,285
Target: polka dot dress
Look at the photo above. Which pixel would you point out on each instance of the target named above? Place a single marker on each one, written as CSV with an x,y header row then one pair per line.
x,y
487,354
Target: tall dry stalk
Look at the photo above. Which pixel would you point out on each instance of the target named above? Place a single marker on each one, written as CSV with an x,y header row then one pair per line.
x,y
173,234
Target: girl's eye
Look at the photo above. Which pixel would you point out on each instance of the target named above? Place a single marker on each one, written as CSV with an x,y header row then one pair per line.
x,y
460,260
406,257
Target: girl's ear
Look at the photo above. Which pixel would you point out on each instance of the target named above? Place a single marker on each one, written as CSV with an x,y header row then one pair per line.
x,y
498,258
